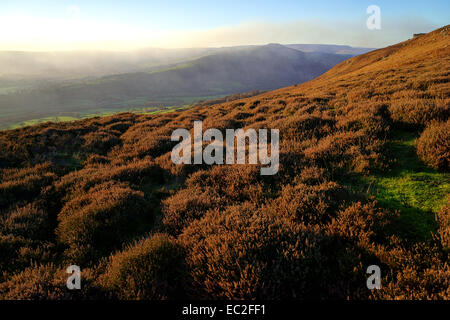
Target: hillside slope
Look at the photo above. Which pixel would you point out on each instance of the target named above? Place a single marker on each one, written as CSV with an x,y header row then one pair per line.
x,y
103,193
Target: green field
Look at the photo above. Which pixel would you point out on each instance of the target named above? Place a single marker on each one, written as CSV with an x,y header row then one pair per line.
x,y
160,105
95,114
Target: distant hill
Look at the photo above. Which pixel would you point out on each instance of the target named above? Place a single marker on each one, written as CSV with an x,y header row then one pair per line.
x,y
223,72
330,48
76,64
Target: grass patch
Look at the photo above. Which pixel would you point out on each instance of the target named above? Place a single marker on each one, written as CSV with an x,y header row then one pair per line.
x,y
412,188
67,160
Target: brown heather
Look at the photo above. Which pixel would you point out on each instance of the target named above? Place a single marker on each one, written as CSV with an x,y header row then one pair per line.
x,y
94,224
152,268
433,146
443,219
103,193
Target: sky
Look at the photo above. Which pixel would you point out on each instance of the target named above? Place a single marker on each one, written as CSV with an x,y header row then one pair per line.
x,y
48,25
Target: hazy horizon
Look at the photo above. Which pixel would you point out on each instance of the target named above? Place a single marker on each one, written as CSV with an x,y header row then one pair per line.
x,y
133,25
131,50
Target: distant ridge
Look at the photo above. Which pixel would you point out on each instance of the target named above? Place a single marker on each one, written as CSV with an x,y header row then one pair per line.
x,y
330,48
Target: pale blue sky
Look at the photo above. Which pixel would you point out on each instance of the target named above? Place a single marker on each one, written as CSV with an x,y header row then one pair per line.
x,y
200,22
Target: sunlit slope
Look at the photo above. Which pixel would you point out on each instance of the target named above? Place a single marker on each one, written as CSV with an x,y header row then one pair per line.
x,y
416,63
411,77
